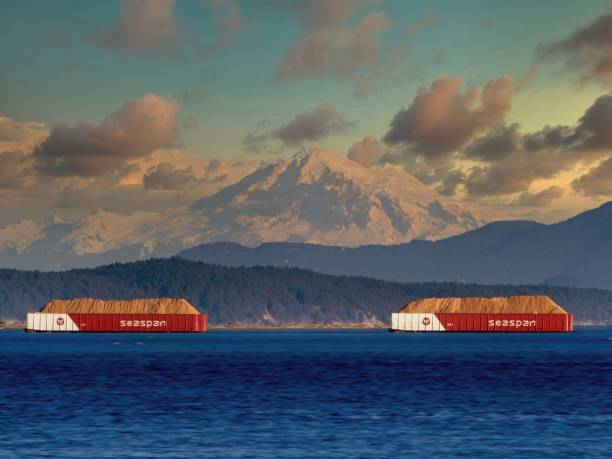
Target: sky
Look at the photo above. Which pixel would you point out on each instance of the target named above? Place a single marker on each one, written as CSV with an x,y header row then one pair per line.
x,y
133,105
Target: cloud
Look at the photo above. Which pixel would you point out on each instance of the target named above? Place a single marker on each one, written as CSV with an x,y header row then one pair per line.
x,y
328,44
587,51
15,169
313,125
367,151
166,176
526,78
142,26
540,199
392,56
456,139
229,22
450,182
595,126
597,182
497,144
16,135
309,126
135,131
511,160
443,118
257,140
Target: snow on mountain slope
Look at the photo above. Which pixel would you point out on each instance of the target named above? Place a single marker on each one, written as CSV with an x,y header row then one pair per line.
x,y
325,198
317,196
20,235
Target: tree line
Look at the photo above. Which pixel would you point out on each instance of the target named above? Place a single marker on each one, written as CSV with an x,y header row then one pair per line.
x,y
262,293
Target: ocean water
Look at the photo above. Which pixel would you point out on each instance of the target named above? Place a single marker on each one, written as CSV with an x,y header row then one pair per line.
x,y
294,394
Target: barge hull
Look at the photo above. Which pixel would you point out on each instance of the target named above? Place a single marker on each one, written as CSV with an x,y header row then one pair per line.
x,y
481,322
116,323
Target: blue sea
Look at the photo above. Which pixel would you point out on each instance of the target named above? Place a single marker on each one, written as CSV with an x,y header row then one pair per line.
x,y
294,394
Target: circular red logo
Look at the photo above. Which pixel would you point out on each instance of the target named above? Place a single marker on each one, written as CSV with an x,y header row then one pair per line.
x,y
426,321
60,321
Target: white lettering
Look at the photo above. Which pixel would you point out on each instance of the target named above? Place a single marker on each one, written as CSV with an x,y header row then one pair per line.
x,y
143,323
512,323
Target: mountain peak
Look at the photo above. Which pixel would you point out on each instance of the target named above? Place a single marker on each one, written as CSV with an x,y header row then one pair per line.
x,y
318,159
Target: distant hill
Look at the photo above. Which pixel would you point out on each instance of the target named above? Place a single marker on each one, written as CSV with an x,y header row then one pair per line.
x,y
576,252
263,294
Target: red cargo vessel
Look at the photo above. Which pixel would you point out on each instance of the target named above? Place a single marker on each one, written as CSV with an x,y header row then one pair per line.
x,y
516,314
148,315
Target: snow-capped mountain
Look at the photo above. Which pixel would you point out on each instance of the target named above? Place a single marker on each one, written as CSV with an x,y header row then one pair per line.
x,y
317,196
322,197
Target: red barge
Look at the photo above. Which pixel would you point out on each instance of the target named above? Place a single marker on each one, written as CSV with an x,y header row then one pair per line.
x,y
536,313
151,315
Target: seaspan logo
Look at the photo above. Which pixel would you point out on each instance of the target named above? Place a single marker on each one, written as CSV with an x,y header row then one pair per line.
x,y
143,323
512,323
59,321
426,321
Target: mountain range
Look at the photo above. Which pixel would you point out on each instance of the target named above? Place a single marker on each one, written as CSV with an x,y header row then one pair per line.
x,y
576,252
317,197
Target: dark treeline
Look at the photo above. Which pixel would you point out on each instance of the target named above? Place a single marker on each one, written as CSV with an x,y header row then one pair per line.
x,y
261,294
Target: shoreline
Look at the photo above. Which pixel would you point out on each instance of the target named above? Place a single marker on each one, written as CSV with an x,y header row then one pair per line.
x,y
298,326
255,326
295,326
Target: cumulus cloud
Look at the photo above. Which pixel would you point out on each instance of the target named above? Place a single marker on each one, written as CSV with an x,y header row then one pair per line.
x,y
15,169
597,182
367,151
135,131
142,25
511,160
506,171
540,199
450,182
328,43
165,176
308,126
313,125
497,144
443,118
456,139
594,127
587,51
17,135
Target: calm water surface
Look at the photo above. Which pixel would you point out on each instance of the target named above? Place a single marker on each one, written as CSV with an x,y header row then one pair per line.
x,y
287,394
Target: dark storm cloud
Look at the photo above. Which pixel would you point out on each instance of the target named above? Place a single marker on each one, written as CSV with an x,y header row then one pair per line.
x,y
587,51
